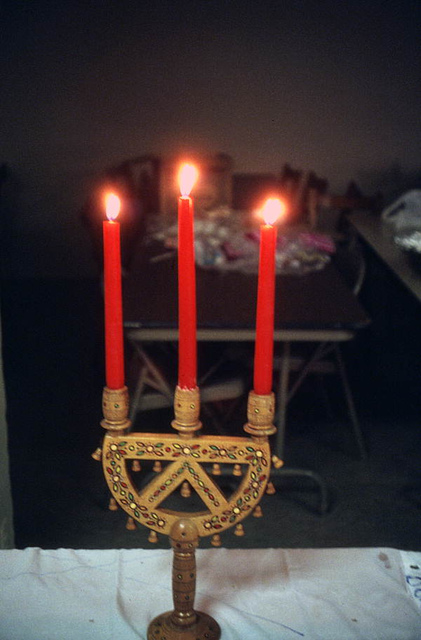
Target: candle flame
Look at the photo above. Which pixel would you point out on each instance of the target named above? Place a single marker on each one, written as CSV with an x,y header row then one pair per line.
x,y
112,206
272,210
187,177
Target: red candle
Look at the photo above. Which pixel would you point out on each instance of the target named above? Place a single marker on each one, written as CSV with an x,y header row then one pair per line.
x,y
263,354
114,353
187,346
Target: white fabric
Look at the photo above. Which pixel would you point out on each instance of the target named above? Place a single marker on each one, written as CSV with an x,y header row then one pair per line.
x,y
268,594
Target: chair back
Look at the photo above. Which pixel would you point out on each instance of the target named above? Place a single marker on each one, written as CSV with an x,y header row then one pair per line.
x,y
212,191
292,186
249,190
135,181
302,191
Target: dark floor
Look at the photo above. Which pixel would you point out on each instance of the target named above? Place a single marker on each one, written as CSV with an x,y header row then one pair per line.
x,y
52,335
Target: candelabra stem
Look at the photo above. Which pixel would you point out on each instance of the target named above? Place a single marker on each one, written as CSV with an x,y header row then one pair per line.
x,y
184,623
184,540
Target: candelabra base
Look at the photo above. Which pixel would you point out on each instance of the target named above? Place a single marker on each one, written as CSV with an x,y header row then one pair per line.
x,y
204,628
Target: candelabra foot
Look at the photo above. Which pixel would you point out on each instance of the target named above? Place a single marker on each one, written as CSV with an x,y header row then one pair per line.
x,y
203,628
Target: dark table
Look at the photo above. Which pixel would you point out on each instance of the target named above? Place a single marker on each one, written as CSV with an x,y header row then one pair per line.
x,y
315,306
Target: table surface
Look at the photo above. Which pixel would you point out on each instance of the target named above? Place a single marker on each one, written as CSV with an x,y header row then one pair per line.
x,y
226,301
379,236
264,594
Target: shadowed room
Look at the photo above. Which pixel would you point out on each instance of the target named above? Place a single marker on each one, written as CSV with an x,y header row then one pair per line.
x,y
315,103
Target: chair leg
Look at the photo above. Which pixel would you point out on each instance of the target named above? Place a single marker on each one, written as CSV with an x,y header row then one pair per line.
x,y
285,394
212,414
287,472
322,349
149,375
350,403
282,400
325,397
140,385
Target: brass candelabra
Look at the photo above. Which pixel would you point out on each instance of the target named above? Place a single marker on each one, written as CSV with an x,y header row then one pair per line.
x,y
187,456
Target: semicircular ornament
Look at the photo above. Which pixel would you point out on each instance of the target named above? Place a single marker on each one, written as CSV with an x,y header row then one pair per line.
x,y
185,460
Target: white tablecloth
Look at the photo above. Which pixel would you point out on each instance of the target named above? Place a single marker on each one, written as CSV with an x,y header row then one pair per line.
x,y
268,594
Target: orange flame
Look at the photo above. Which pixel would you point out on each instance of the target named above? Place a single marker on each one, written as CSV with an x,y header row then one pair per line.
x,y
187,177
272,210
112,206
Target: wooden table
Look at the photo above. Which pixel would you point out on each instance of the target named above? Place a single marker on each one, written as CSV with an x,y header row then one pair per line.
x,y
313,307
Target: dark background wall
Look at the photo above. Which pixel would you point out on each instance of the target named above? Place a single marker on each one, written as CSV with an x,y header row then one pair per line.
x,y
330,86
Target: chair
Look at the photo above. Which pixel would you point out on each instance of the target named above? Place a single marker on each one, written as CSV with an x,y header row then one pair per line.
x,y
251,189
212,191
321,358
136,183
327,212
293,187
316,189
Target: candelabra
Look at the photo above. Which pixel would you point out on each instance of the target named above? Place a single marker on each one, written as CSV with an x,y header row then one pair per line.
x,y
185,457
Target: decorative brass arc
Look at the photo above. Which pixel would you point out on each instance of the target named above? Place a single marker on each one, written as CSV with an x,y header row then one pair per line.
x,y
185,458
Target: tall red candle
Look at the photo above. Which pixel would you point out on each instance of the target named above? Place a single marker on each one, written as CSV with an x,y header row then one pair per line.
x,y
114,350
263,354
187,345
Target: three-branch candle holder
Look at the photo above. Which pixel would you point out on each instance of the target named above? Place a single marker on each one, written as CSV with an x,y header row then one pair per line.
x,y
185,457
